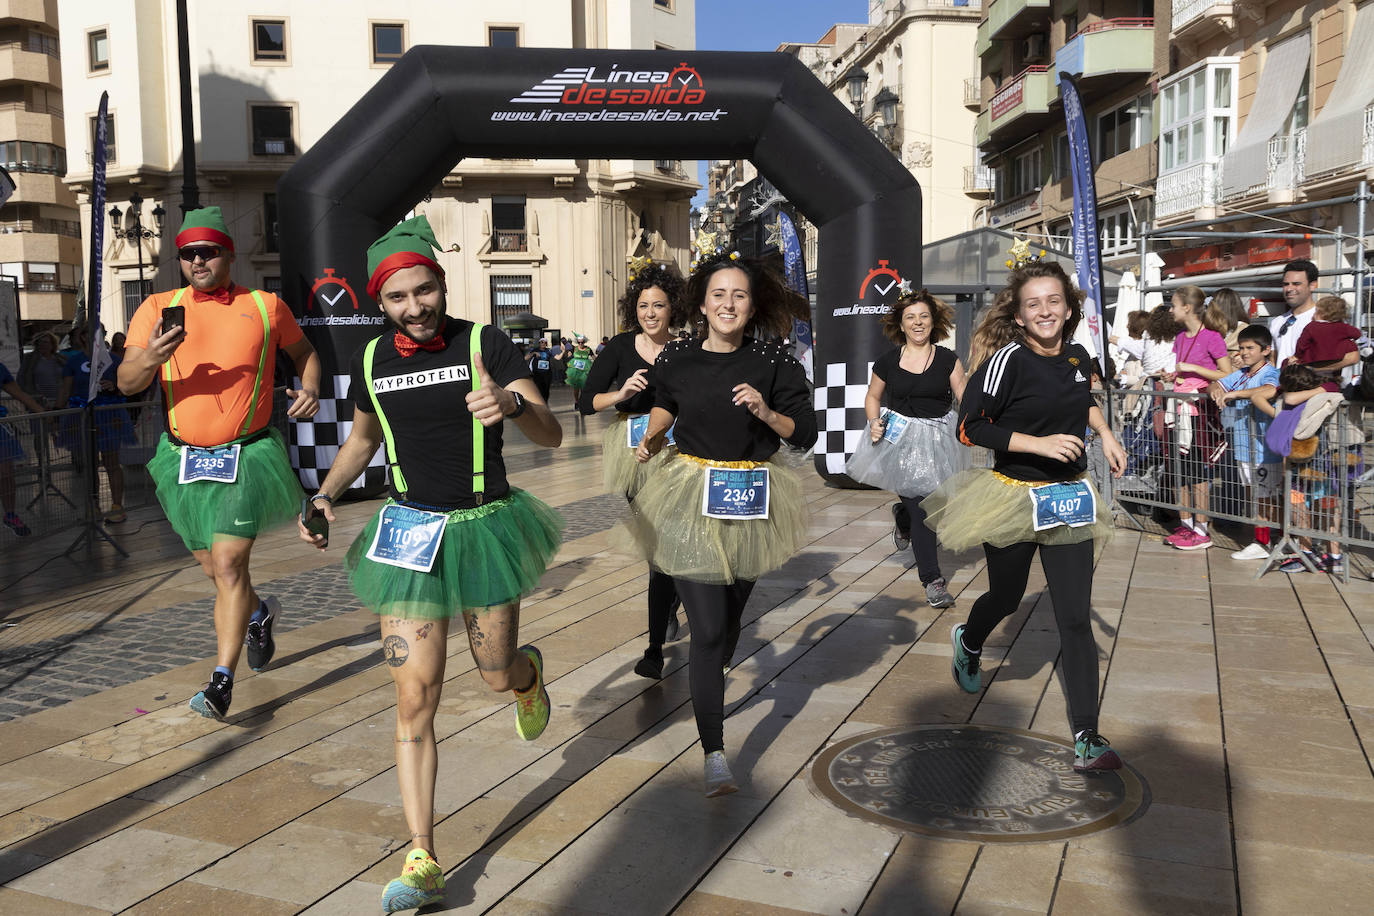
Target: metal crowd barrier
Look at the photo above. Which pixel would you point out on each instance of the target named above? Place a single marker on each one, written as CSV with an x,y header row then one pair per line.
x,y
1323,501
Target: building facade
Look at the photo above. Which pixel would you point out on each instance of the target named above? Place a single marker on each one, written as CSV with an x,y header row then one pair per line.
x,y
1265,105
1113,49
40,239
268,79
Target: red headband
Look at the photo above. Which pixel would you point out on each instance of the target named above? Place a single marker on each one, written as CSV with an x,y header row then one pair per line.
x,y
204,234
399,261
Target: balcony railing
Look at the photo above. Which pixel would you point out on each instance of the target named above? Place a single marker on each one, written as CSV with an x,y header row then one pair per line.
x,y
1013,94
34,107
973,92
1186,12
1367,157
1287,161
1103,25
1187,189
68,227
509,240
38,44
977,178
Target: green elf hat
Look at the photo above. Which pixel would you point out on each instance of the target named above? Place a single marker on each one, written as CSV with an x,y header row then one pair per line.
x,y
404,245
204,225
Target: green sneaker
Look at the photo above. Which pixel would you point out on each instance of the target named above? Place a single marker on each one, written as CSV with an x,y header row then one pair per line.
x,y
965,666
532,706
1091,751
421,883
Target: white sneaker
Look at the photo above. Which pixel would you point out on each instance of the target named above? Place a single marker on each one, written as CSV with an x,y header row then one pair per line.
x,y
1255,551
719,780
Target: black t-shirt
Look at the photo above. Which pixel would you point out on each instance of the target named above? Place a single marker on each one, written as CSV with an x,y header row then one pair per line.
x,y
541,363
1019,391
917,394
424,398
697,386
617,362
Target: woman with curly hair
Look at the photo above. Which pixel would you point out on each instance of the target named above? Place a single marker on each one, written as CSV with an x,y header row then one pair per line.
x,y
622,378
913,446
1029,404
720,513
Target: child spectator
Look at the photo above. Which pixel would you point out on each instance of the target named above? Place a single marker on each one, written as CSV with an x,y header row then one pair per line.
x,y
1226,303
1154,344
1244,397
1197,436
1328,344
1314,496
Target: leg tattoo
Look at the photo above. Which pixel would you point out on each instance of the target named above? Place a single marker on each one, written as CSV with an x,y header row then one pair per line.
x,y
424,631
396,650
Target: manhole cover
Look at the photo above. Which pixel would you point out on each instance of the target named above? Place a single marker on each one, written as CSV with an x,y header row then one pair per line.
x,y
975,783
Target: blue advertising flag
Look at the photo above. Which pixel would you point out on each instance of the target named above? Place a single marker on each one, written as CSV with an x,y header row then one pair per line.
x,y
795,268
100,356
1086,254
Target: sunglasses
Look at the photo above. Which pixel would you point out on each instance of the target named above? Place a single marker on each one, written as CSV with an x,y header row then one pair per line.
x,y
206,253
1287,324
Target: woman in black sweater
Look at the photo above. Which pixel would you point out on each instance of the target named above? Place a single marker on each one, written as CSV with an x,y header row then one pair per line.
x,y
622,378
1031,404
720,513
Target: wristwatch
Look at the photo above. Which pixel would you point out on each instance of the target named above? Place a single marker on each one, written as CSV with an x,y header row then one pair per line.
x,y
519,405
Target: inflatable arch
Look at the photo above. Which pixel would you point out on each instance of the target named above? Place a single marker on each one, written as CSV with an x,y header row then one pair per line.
x,y
439,104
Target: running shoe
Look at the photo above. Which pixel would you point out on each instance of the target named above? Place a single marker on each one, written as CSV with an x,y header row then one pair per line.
x,y
965,667
1333,564
213,700
261,645
16,524
1193,540
719,780
1255,551
937,594
651,665
1094,752
901,526
421,883
116,515
1296,565
1180,532
532,705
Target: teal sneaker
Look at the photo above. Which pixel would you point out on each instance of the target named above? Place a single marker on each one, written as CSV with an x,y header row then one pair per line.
x,y
421,883
965,666
1091,751
532,706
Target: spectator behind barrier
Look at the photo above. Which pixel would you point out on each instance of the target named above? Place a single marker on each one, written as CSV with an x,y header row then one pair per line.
x,y
1244,397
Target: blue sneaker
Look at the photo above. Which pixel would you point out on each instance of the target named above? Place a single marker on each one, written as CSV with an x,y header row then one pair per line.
x,y
965,666
1093,752
421,883
213,700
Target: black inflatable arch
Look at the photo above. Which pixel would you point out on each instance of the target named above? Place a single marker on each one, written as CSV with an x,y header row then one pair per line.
x,y
439,104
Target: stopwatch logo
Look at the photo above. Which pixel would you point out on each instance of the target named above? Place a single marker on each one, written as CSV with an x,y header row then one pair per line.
x,y
874,279
685,75
329,289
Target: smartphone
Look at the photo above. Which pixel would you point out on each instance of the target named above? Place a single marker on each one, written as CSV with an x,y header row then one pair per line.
x,y
173,316
312,517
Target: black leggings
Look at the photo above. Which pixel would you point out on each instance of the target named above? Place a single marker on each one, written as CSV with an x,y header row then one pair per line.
x,y
713,613
1069,574
662,594
922,540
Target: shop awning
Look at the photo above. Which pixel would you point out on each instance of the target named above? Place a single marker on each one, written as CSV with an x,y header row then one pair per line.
x,y
1335,138
1246,164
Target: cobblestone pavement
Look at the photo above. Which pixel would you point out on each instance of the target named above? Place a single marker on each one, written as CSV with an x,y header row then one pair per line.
x,y
127,648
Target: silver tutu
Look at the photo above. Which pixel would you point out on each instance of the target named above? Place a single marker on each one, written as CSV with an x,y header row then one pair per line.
x,y
925,453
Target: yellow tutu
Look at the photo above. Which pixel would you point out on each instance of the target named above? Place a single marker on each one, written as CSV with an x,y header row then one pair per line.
x,y
980,506
620,471
666,526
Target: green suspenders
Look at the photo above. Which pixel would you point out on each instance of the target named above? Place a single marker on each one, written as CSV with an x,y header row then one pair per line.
x,y
479,454
257,382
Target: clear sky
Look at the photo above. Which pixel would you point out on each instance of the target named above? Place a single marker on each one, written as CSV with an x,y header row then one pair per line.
x,y
762,25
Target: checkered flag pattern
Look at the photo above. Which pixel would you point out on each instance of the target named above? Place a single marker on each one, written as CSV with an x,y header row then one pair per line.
x,y
315,443
840,411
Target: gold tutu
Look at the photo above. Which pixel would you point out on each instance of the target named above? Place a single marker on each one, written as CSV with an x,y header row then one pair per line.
x,y
666,527
620,471
980,506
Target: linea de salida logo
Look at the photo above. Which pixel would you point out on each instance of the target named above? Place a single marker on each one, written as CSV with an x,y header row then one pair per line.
x,y
881,281
604,94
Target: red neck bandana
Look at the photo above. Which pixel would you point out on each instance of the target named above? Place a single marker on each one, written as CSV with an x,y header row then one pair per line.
x,y
224,295
407,347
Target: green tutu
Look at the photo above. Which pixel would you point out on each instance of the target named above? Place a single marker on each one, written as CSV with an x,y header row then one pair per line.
x,y
980,506
621,472
665,526
489,556
577,378
266,493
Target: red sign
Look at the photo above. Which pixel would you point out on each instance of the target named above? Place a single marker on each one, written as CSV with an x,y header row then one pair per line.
x,y
1007,99
1255,252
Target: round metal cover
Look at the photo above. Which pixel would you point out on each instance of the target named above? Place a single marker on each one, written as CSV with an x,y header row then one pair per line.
x,y
972,782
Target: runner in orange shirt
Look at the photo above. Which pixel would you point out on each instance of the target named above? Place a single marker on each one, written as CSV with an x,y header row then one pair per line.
x,y
221,470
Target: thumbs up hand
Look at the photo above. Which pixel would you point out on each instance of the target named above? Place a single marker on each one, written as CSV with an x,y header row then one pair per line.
x,y
489,403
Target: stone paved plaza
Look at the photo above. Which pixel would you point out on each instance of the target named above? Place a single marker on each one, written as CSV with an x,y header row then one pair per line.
x,y
1244,707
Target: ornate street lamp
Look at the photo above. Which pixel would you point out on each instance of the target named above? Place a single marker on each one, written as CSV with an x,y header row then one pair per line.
x,y
854,81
